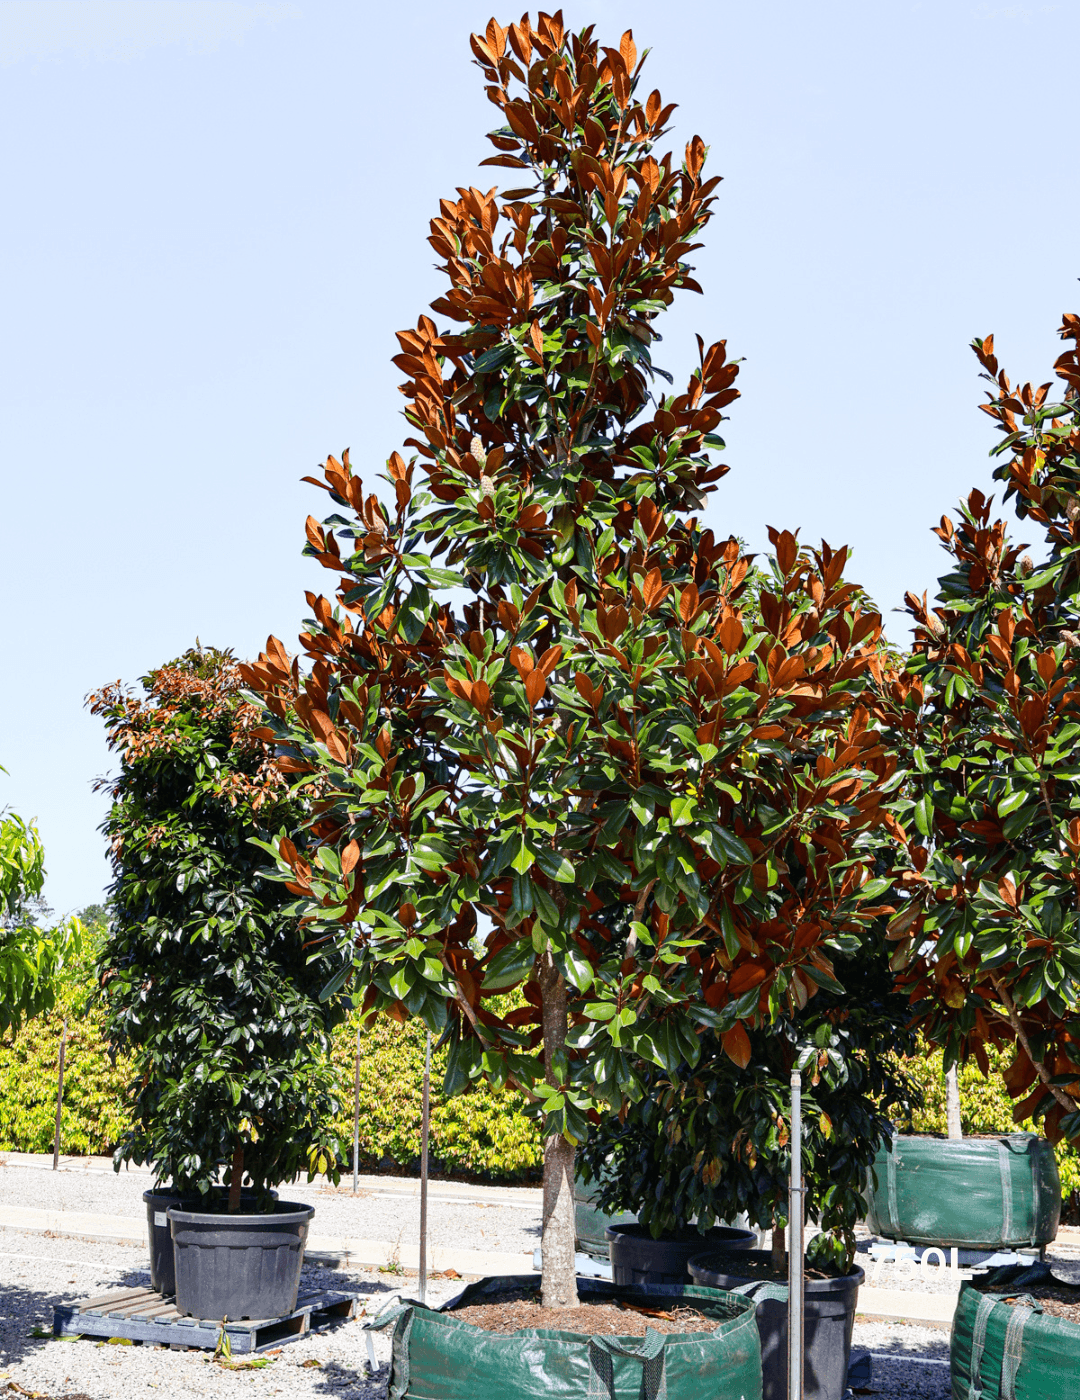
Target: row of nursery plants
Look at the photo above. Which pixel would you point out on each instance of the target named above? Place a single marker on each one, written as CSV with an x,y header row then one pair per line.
x,y
481,1133
551,735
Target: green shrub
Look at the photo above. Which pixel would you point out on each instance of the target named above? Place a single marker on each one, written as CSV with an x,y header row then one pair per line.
x,y
94,1117
482,1132
985,1106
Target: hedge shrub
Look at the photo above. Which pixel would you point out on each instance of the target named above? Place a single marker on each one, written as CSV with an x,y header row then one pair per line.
x,y
94,1117
482,1132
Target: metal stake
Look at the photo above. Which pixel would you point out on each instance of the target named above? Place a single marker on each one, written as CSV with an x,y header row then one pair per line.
x,y
356,1117
425,1126
59,1097
795,1246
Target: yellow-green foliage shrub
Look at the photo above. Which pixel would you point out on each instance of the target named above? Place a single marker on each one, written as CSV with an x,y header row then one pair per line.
x,y
483,1132
93,1118
985,1106
480,1133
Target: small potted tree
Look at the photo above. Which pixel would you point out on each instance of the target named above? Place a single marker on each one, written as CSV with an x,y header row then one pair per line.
x,y
988,941
534,789
209,991
711,1140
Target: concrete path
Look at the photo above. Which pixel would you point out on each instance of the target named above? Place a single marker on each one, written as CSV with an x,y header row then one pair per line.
x,y
892,1304
928,1309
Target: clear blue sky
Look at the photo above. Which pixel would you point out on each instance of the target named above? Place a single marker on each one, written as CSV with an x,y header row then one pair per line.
x,y
215,219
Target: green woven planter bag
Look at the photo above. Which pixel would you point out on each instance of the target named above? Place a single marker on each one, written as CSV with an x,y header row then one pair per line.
x,y
1003,1351
437,1357
976,1193
590,1222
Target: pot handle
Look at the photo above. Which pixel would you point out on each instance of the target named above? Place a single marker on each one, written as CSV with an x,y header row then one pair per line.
x,y
603,1350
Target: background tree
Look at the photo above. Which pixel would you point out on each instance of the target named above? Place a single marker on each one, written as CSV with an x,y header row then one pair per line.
x,y
32,955
567,782
206,978
988,943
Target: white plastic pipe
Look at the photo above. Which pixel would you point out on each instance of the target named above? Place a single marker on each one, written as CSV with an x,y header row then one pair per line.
x,y
425,1132
795,1246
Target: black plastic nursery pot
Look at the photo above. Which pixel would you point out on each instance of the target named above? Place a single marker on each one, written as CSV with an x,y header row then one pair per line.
x,y
975,1192
436,1356
636,1258
158,1200
1013,1350
828,1319
239,1266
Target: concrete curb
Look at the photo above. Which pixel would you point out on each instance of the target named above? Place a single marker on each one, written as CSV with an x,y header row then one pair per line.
x,y
406,1187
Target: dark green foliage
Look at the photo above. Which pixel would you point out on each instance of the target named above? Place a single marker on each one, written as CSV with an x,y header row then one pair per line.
x,y
206,980
713,1141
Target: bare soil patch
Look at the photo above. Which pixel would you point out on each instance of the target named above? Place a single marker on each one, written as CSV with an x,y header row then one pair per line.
x,y
510,1312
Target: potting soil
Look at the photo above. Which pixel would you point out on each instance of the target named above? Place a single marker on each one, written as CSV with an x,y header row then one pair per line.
x,y
1059,1300
512,1311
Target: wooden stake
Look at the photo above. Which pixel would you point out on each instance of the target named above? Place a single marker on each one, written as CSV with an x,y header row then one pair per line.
x,y
356,1118
59,1097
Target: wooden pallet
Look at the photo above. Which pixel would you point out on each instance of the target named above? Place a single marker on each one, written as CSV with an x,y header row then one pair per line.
x,y
142,1315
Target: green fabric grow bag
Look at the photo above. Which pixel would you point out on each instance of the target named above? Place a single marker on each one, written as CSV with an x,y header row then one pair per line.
x,y
437,1357
590,1222
977,1193
1000,1351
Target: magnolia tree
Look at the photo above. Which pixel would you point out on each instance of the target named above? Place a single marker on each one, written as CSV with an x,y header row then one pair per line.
x,y
594,779
988,938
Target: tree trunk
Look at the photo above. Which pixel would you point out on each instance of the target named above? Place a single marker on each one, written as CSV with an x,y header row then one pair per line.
x,y
779,1253
952,1104
237,1176
559,1280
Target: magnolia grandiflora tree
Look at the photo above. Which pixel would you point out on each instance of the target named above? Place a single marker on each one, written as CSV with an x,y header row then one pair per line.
x,y
601,780
989,936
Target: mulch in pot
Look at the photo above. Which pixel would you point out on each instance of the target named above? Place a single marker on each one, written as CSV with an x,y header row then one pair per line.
x,y
1058,1300
513,1311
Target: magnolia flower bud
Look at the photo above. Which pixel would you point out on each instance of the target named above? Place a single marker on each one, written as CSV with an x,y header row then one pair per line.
x,y
1072,509
1026,566
476,448
487,487
1071,639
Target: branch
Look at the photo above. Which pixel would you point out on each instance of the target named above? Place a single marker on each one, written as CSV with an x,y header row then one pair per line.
x,y
1064,1099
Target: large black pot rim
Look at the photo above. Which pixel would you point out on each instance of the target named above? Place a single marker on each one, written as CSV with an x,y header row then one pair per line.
x,y
706,1261
284,1212
714,1235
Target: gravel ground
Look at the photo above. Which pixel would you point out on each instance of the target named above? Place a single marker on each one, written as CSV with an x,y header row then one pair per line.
x,y
371,1215
38,1271
910,1363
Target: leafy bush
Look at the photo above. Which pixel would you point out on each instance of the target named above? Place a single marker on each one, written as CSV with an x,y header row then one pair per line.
x,y
483,1132
32,958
